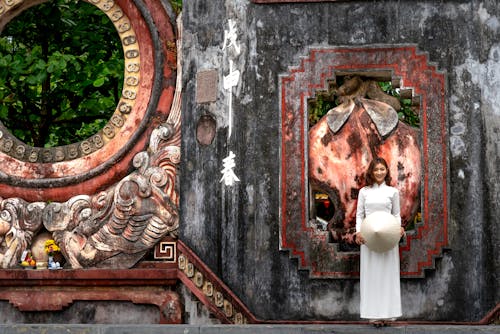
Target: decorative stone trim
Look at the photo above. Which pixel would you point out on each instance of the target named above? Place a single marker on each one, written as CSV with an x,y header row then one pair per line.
x,y
150,61
210,290
56,290
166,250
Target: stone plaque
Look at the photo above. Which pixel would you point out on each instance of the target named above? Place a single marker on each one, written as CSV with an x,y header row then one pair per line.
x,y
206,86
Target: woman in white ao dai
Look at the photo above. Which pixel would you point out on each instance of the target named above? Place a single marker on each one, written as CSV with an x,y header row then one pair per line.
x,y
380,292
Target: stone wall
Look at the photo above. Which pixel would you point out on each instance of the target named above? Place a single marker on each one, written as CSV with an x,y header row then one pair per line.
x,y
235,229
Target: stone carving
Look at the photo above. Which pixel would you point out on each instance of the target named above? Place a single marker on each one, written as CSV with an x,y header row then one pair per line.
x,y
118,224
112,229
344,141
19,222
115,228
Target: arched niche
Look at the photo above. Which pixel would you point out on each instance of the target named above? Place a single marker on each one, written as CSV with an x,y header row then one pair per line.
x,y
311,246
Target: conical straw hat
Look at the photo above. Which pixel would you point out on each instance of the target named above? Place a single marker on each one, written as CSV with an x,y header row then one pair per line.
x,y
381,231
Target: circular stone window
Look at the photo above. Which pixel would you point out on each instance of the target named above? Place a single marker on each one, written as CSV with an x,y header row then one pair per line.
x,y
61,69
83,167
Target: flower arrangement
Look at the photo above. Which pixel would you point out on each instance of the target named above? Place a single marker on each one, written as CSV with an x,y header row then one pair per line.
x,y
51,247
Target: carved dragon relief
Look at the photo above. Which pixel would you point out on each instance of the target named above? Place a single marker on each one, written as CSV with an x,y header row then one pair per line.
x,y
115,228
112,229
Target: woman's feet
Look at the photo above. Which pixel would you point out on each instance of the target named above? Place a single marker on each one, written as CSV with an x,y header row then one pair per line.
x,y
381,322
377,323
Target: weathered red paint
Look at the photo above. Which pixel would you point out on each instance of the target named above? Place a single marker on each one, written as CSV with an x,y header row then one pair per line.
x,y
86,175
53,290
307,244
337,163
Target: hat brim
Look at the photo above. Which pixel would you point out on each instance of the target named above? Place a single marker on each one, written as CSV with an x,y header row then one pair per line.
x,y
381,231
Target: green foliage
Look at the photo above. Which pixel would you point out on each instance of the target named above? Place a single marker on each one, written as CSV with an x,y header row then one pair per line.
x,y
319,107
176,5
61,73
405,114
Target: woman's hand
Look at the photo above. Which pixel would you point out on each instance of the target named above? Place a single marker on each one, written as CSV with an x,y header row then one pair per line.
x,y
403,232
359,238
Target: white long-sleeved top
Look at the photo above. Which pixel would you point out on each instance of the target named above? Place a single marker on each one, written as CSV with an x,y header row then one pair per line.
x,y
377,198
380,291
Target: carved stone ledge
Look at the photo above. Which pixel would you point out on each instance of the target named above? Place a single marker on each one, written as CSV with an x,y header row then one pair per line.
x,y
56,299
160,274
52,290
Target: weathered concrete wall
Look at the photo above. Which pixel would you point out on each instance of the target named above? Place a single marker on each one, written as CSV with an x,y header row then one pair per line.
x,y
235,229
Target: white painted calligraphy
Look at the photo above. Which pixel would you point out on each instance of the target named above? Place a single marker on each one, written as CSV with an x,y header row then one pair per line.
x,y
231,36
228,175
229,82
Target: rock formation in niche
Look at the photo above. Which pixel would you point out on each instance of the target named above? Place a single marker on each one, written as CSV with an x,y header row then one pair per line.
x,y
345,140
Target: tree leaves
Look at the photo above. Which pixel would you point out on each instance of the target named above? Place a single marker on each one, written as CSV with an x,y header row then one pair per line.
x,y
61,71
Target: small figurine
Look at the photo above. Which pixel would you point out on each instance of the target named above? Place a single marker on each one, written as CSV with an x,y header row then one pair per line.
x,y
53,264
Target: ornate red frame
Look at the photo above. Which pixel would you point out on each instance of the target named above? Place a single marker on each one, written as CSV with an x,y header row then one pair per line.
x,y
154,39
310,246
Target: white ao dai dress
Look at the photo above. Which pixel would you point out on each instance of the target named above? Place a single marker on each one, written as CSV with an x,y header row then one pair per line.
x,y
380,291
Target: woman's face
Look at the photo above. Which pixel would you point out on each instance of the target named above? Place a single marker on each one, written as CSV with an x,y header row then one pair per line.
x,y
379,173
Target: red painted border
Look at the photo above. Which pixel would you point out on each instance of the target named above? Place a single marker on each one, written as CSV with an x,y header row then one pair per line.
x,y
94,172
158,274
427,242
